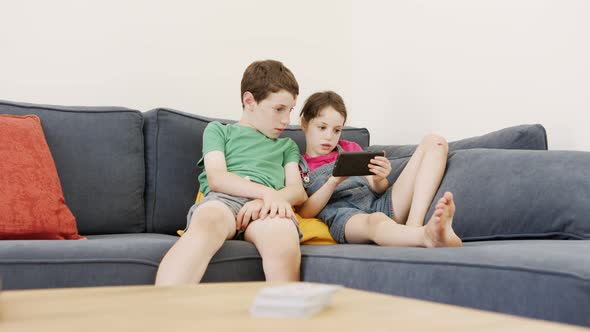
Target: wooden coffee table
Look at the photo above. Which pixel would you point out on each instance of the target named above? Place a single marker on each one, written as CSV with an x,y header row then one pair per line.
x,y
224,307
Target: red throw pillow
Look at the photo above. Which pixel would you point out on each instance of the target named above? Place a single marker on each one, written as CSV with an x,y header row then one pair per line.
x,y
32,205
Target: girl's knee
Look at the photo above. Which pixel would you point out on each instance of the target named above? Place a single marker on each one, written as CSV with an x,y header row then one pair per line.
x,y
377,218
434,141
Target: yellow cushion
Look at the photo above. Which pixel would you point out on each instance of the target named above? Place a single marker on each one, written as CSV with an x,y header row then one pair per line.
x,y
199,197
314,231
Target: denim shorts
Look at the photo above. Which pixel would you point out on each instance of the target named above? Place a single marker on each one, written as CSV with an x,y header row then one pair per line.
x,y
337,213
235,204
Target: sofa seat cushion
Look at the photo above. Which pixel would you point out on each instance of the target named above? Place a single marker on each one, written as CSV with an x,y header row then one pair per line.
x,y
99,156
546,279
123,259
105,260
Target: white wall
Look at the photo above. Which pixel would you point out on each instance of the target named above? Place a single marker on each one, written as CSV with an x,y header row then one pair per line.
x,y
464,67
405,68
188,55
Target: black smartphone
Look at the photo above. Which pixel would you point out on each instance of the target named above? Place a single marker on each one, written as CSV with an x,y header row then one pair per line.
x,y
355,163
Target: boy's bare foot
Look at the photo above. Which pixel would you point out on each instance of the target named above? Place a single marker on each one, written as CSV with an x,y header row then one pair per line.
x,y
439,231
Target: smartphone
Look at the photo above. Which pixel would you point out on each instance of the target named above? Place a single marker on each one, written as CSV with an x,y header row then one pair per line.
x,y
355,163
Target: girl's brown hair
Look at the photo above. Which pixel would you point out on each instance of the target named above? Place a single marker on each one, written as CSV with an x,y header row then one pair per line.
x,y
320,100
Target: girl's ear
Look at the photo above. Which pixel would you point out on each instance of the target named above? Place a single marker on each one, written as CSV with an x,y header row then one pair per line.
x,y
303,124
248,101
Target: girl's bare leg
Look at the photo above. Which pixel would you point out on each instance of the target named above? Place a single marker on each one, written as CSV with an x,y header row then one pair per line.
x,y
377,227
414,190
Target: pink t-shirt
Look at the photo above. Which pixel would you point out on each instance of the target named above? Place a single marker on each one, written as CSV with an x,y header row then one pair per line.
x,y
319,161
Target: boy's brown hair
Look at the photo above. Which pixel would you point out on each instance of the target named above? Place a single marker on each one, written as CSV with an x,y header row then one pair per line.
x,y
320,100
262,78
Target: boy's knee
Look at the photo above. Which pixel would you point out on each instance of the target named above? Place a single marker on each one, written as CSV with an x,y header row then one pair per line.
x,y
282,251
281,240
434,141
209,219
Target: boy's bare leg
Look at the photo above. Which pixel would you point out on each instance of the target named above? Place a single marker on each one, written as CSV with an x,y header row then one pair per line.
x,y
379,228
211,224
416,186
277,242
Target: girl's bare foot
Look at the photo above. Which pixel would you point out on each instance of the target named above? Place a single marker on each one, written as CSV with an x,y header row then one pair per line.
x,y
439,231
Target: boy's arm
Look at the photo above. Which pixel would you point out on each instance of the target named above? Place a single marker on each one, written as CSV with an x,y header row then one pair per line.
x,y
316,202
293,192
221,180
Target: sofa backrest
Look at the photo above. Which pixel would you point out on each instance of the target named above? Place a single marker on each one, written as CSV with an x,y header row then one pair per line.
x,y
521,137
173,144
518,194
99,156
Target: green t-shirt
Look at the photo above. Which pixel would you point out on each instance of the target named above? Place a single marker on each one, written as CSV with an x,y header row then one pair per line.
x,y
248,153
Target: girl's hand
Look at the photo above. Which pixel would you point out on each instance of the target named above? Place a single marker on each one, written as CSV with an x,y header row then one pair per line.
x,y
380,167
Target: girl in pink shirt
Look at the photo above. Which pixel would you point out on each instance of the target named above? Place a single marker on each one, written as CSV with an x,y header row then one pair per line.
x,y
364,209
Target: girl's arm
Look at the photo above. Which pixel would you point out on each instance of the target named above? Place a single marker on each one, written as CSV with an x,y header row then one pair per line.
x,y
377,185
381,167
316,202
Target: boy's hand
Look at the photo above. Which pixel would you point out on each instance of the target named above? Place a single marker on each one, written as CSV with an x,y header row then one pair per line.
x,y
275,206
272,205
249,212
380,167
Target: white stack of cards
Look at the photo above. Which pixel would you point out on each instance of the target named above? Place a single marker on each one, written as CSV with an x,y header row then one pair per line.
x,y
298,300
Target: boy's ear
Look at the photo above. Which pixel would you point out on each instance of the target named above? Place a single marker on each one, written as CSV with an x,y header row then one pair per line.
x,y
248,100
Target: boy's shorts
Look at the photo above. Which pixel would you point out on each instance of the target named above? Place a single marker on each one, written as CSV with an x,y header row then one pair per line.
x,y
235,204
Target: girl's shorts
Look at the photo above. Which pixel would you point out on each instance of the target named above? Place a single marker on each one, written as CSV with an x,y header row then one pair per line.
x,y
338,213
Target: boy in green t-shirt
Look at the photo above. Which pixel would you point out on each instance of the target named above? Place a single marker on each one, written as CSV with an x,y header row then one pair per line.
x,y
250,182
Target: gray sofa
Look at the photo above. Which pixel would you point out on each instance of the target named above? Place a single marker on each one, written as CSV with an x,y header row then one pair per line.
x,y
129,178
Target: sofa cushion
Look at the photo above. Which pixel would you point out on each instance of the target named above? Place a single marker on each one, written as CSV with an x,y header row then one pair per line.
x,y
99,156
102,260
174,143
108,260
544,279
521,137
31,199
505,194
